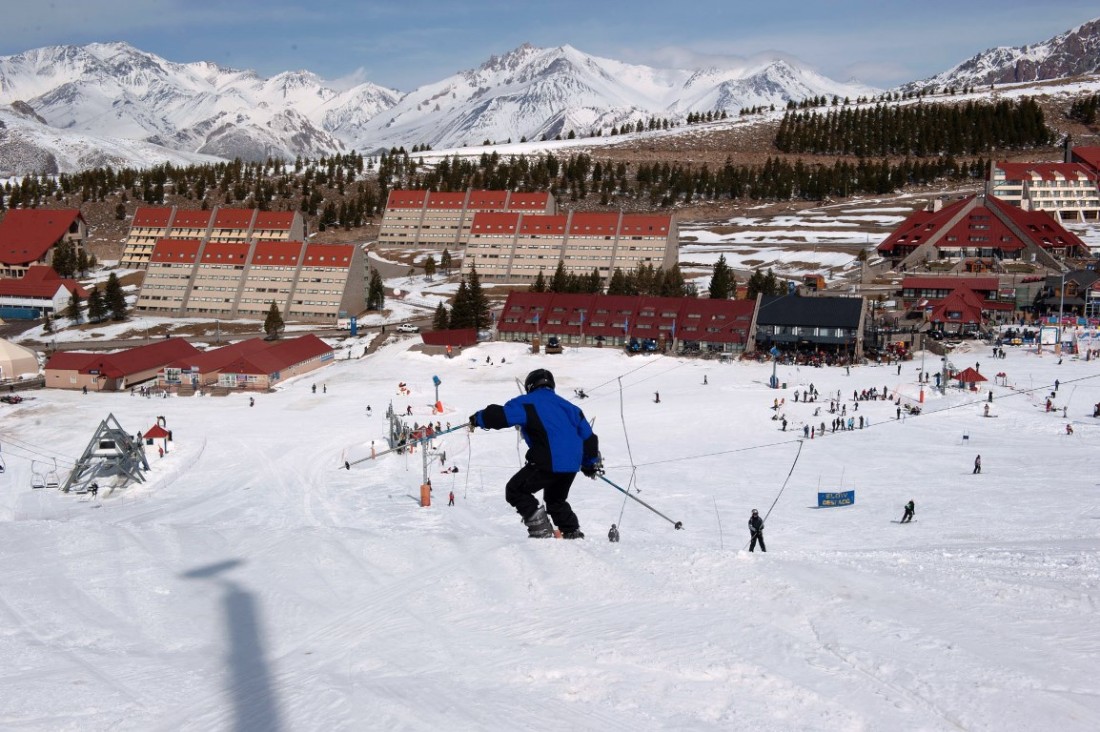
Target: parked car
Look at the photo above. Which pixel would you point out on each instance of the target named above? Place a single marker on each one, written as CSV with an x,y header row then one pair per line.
x,y
408,328
553,345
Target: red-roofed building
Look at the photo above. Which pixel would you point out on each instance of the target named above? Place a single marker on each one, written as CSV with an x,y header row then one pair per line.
x,y
41,290
515,247
671,323
926,293
28,236
114,371
263,369
1068,191
222,225
443,219
976,233
315,283
1087,155
199,370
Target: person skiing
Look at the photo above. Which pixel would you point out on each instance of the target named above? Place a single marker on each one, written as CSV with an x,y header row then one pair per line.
x,y
756,530
559,443
613,535
909,507
451,499
977,465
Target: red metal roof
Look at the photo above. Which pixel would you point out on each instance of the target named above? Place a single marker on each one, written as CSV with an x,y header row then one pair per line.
x,y
406,199
42,282
542,225
191,219
493,200
225,253
124,363
528,201
446,200
155,432
968,375
594,224
1047,171
490,223
277,254
154,218
280,356
26,234
175,250
701,319
983,225
645,225
233,218
70,360
1089,155
977,284
213,360
328,255
274,220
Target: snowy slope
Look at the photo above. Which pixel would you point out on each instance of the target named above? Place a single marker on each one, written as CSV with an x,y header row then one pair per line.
x,y
253,583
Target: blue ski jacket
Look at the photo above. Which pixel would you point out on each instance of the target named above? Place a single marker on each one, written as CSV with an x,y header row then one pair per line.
x,y
559,438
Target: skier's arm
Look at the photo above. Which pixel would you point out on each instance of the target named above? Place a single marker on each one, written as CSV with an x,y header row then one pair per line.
x,y
497,417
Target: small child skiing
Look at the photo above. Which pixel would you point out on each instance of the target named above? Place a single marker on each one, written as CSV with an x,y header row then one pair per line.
x,y
909,509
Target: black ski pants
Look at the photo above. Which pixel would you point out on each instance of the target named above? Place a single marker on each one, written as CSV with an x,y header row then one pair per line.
x,y
757,536
530,479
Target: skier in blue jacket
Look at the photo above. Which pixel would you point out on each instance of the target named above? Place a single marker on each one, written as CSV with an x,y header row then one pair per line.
x,y
559,443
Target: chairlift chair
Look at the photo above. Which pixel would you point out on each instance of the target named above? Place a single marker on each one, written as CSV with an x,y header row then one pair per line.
x,y
38,478
52,480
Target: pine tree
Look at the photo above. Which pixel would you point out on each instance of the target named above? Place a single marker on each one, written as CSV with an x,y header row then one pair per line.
x,y
462,313
97,308
429,267
441,319
539,285
618,284
376,291
722,283
47,323
82,263
560,281
76,307
115,298
273,323
445,262
479,303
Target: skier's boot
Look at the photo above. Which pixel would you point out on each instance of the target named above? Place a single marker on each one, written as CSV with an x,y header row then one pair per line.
x,y
574,534
538,525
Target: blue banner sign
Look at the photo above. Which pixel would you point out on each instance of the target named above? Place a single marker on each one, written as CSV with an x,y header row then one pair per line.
x,y
845,498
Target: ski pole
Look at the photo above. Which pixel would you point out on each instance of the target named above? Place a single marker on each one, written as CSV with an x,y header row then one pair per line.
x,y
462,426
675,524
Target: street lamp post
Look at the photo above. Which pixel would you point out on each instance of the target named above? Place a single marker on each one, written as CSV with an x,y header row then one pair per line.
x,y
1061,308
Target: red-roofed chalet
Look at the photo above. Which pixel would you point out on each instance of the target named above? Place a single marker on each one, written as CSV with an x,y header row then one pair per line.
x,y
114,371
29,236
41,290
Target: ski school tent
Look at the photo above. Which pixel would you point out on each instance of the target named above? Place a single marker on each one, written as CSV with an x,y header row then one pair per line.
x,y
968,378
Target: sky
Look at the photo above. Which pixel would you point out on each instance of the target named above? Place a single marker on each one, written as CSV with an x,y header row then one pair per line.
x,y
407,44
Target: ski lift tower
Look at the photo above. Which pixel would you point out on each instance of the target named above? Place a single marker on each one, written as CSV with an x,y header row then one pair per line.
x,y
112,452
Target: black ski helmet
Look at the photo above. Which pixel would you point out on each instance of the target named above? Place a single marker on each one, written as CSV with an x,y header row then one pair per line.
x,y
538,379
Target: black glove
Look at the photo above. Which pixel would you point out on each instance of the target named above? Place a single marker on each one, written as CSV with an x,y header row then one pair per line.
x,y
473,421
591,471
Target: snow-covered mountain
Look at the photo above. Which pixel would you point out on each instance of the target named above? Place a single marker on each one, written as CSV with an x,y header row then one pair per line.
x,y
113,90
534,92
1072,53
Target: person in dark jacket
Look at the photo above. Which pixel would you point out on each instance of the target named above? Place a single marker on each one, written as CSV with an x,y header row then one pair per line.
x,y
977,465
756,530
909,508
613,534
559,443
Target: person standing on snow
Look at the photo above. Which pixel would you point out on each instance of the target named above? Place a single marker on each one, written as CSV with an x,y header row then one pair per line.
x,y
451,499
909,508
613,535
756,531
977,465
559,443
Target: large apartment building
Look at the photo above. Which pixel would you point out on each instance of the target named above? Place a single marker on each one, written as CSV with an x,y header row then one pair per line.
x,y
308,282
443,219
1068,191
151,225
515,247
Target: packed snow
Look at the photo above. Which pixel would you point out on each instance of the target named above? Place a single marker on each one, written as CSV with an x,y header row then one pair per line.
x,y
254,583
